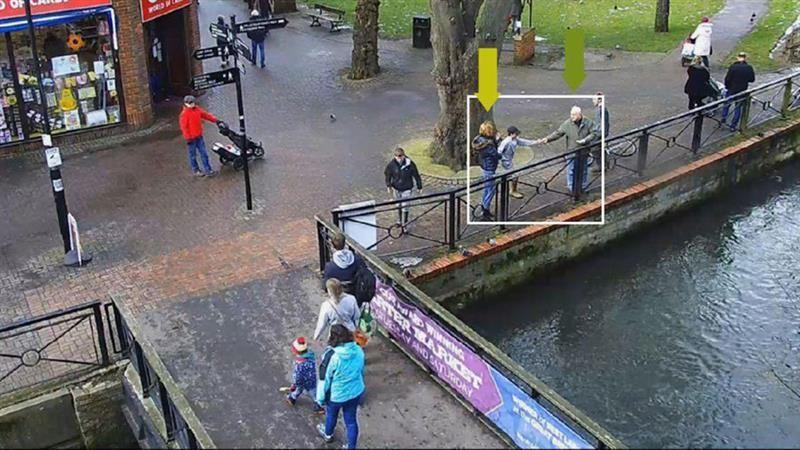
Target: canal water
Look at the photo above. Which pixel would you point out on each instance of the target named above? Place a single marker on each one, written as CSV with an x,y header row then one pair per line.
x,y
684,334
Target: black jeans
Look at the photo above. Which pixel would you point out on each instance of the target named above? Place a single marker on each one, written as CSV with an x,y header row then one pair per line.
x,y
695,101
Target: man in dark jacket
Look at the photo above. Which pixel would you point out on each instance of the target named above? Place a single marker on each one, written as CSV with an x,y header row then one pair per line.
x,y
739,76
578,131
401,173
222,42
600,118
257,38
343,263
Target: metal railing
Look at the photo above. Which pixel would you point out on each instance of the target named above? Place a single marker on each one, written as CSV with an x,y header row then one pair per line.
x,y
182,427
52,347
438,219
531,386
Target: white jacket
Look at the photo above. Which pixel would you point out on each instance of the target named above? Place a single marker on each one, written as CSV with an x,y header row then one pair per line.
x,y
702,37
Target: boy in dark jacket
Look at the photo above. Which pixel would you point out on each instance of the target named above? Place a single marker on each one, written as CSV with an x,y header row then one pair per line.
x,y
257,38
739,76
400,174
191,123
343,264
485,144
304,375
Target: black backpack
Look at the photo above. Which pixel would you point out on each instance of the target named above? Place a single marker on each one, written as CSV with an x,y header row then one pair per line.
x,y
363,284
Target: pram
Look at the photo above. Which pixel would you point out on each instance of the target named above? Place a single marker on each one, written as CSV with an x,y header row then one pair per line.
x,y
687,52
716,91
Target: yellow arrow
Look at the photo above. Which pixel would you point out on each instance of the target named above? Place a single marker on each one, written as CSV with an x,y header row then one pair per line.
x,y
487,77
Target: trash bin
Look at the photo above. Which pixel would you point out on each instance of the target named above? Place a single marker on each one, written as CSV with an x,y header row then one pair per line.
x,y
422,32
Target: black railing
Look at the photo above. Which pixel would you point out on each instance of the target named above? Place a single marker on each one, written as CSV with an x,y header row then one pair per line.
x,y
438,219
530,386
182,427
53,347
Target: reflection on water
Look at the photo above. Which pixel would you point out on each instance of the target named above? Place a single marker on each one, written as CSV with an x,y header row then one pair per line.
x,y
686,334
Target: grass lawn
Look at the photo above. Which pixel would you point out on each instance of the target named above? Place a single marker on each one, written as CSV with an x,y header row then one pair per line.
x,y
768,30
630,25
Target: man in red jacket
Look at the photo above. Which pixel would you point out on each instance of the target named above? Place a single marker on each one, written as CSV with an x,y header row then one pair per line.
x,y
191,121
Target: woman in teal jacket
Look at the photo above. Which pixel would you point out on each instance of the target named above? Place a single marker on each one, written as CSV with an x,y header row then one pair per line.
x,y
343,385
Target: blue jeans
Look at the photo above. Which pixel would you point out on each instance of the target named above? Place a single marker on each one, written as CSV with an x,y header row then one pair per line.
x,y
349,410
571,173
198,146
260,47
737,111
488,191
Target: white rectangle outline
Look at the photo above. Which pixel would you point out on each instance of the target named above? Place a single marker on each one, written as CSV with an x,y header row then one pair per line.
x,y
602,166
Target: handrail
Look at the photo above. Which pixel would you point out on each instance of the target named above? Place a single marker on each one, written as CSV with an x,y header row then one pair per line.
x,y
478,342
49,316
179,401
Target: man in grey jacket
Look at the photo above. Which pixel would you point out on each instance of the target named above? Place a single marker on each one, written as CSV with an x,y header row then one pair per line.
x,y
600,117
578,131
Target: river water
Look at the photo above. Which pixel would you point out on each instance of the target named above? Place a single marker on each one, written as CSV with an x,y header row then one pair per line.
x,y
684,334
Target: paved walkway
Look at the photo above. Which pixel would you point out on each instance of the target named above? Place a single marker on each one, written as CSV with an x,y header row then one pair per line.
x,y
169,240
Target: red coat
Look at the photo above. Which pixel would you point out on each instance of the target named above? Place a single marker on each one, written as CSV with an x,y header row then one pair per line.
x,y
191,121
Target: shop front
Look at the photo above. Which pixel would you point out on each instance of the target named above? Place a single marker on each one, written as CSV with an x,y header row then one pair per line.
x,y
168,62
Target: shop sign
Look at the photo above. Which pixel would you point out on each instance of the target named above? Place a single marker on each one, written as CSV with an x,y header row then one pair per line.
x,y
153,9
16,8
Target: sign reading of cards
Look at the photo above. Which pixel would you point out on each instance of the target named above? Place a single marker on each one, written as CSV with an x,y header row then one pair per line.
x,y
152,9
214,79
16,8
261,24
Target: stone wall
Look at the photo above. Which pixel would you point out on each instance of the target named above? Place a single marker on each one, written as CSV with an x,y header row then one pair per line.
x,y
518,255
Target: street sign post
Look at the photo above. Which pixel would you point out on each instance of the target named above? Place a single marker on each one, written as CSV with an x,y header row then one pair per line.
x,y
214,79
261,24
240,102
244,50
217,31
208,52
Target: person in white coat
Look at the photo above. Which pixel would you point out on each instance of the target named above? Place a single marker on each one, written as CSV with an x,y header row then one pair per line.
x,y
702,39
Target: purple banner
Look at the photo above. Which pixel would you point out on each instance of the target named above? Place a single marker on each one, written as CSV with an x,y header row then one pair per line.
x,y
490,392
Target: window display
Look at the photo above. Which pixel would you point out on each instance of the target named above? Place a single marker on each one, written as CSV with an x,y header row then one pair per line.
x,y
77,61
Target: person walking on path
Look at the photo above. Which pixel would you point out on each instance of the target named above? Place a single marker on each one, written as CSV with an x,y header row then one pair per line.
x,y
702,40
338,308
304,374
265,8
485,143
601,118
740,75
191,123
696,86
257,38
343,264
400,175
343,386
222,43
507,149
578,131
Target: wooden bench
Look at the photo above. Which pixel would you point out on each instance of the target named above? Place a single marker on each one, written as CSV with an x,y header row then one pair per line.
x,y
332,15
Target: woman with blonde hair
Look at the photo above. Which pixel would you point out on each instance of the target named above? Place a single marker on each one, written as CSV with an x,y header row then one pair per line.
x,y
338,308
485,144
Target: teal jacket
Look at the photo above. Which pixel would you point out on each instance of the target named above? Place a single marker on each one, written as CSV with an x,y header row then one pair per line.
x,y
344,377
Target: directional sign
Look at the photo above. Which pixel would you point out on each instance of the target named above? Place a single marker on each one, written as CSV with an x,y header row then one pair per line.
x,y
218,31
244,50
214,79
261,24
206,53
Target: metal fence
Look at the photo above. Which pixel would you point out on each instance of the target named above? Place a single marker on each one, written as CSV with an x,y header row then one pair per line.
x,y
526,385
182,427
439,219
53,347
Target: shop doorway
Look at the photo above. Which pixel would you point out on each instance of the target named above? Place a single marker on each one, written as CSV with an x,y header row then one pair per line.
x,y
168,56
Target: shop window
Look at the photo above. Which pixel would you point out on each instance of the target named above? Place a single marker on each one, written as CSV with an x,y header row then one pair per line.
x,y
79,77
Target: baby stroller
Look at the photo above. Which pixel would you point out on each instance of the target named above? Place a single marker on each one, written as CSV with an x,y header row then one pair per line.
x,y
716,91
687,52
231,153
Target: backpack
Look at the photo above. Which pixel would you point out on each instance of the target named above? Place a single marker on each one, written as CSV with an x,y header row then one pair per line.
x,y
363,284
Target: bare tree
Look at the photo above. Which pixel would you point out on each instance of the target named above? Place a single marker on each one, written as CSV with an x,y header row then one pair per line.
x,y
459,29
365,41
662,16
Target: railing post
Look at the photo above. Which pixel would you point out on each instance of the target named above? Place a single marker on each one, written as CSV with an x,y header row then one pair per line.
x,y
743,125
101,333
166,409
322,244
787,98
336,216
144,371
123,336
503,200
697,135
641,158
451,220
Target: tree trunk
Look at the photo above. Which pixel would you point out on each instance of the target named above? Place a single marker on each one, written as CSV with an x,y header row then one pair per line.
x,y
458,30
662,16
365,41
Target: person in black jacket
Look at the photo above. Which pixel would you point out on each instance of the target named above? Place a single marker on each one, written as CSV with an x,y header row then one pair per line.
x,y
222,42
486,143
257,38
696,86
739,76
401,173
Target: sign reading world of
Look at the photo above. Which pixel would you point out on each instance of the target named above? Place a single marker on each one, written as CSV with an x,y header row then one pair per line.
x,y
522,418
153,9
16,8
